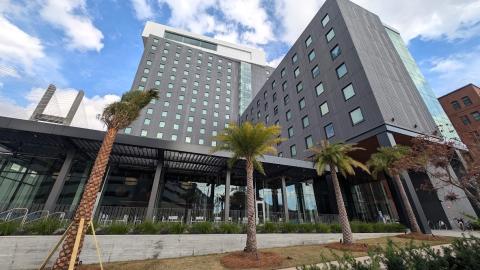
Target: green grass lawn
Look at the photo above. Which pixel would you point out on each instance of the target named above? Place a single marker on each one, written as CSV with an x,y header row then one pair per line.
x,y
294,256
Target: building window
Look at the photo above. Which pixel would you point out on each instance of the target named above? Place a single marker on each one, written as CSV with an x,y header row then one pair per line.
x,y
280,154
178,116
275,110
348,92
170,85
294,58
324,108
315,71
266,106
188,139
157,82
476,115
159,135
146,70
465,120
311,56
308,142
161,124
201,141
143,133
146,121
274,97
299,87
296,72
341,70
154,47
466,101
176,126
290,132
308,41
143,79
282,73
335,52
329,131
286,99
174,137
330,35
325,20
319,89
301,103
305,122
293,151
356,116
166,103
273,84
128,130
288,115
141,87
455,105
164,114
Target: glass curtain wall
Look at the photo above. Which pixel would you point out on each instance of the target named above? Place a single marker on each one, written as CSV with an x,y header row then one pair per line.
x,y
373,202
302,206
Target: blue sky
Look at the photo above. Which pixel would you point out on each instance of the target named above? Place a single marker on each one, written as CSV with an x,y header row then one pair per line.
x,y
96,45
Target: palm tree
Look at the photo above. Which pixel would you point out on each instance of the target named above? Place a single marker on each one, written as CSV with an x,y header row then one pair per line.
x,y
336,157
249,142
389,160
116,116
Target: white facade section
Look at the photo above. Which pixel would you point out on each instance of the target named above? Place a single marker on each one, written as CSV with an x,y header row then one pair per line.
x,y
226,49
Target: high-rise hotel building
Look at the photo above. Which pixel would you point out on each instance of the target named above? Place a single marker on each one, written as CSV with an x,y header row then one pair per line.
x,y
203,83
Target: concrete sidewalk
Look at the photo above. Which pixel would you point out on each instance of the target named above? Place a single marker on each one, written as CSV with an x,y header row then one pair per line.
x,y
28,252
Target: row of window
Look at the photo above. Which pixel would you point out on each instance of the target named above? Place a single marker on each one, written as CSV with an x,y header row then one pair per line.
x,y
466,101
466,120
173,137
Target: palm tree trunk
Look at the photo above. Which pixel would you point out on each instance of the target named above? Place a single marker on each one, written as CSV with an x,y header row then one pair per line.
x,y
251,245
87,202
342,212
408,207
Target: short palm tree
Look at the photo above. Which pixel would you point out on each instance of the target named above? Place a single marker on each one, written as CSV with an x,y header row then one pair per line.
x,y
249,141
389,160
116,116
336,157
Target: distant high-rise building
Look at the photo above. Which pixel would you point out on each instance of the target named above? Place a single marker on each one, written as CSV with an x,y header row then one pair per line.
x,y
203,84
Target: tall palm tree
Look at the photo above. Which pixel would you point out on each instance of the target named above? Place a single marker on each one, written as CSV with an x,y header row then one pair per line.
x,y
116,116
336,157
249,141
389,160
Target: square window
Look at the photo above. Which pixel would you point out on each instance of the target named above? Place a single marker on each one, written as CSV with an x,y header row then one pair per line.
x,y
324,108
275,110
274,97
301,103
305,122
348,92
190,119
146,121
128,130
290,132
214,143
282,73
175,126
356,116
154,47
286,99
455,105
311,56
476,115
168,94
160,135
166,104
161,124
143,79
164,114
141,87
330,35
296,72
325,20
329,131
284,85
146,70
174,137
201,141
273,84
465,120
466,101
341,70
149,63
157,82
293,151
308,142
178,116
294,58
202,131
319,89
188,139
143,133
288,115
315,71
308,41
299,87
335,52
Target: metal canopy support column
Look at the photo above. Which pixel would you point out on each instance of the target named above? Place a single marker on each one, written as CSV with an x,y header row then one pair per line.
x,y
60,181
157,180
386,139
284,199
227,197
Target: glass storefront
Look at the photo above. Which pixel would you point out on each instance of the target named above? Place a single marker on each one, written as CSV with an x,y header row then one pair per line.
x,y
372,202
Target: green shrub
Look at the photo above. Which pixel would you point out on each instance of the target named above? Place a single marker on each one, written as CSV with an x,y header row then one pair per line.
x,y
306,228
44,226
147,227
201,228
361,227
268,227
322,228
172,228
229,228
335,228
116,228
288,227
8,228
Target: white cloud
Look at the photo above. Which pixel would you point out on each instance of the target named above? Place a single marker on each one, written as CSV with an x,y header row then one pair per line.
x,y
274,62
18,49
71,17
454,71
85,117
143,10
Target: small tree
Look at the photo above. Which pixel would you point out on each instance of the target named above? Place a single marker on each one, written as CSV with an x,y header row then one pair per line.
x,y
336,157
391,161
116,116
249,142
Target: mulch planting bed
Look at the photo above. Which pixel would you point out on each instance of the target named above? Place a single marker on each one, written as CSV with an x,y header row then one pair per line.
x,y
355,247
242,260
421,236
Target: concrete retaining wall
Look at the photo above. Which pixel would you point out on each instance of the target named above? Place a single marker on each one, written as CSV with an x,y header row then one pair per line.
x,y
28,252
